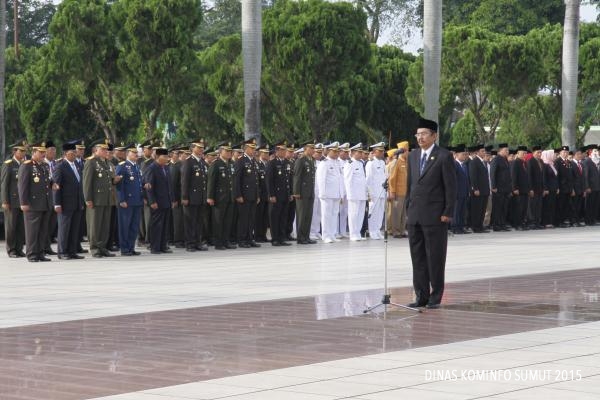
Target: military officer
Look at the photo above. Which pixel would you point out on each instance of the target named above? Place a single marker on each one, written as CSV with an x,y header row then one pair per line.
x,y
160,199
343,159
245,192
34,184
291,210
144,162
262,209
13,215
177,235
330,189
220,197
304,193
376,177
194,173
50,163
131,202
355,183
98,182
113,235
280,192
501,186
315,224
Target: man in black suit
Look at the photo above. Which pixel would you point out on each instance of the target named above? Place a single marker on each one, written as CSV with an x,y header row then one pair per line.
x,y
194,172
521,188
501,188
462,189
160,200
245,192
578,187
68,203
535,171
479,179
566,188
279,188
431,196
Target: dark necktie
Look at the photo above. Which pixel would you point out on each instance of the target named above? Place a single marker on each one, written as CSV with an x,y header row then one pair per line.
x,y
423,162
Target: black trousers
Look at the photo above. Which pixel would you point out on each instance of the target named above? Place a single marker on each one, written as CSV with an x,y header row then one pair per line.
x,y
591,207
68,231
304,211
52,229
246,221
194,224
262,220
477,214
291,214
113,235
549,215
535,209
428,246
519,214
159,227
578,202
458,220
565,208
222,218
14,230
278,215
499,209
36,232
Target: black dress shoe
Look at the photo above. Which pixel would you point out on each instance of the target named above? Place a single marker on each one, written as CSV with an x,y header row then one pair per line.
x,y
230,246
276,244
98,255
166,251
50,252
113,248
431,306
202,247
13,255
254,244
310,241
303,242
191,249
64,257
126,254
136,253
33,259
44,259
76,257
82,251
155,252
284,244
179,245
20,254
416,305
220,248
107,254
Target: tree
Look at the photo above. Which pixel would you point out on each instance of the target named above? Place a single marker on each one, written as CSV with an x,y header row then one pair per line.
x,y
34,22
156,44
570,65
317,53
432,56
221,18
382,14
252,59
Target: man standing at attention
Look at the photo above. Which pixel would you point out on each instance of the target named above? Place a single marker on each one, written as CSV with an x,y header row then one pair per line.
x,y
431,195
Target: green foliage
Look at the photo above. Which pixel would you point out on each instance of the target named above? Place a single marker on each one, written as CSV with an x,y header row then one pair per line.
x,y
465,131
34,19
220,18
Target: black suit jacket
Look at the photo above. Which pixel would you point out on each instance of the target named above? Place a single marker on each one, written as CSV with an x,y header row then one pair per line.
x,y
500,175
432,194
278,180
479,177
520,176
565,175
160,190
69,194
535,171
245,180
591,175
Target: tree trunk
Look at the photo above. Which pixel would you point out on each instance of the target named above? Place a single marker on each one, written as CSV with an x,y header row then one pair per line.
x,y
2,74
570,65
252,58
432,56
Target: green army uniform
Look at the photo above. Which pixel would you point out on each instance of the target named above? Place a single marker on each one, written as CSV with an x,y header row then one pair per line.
x,y
14,227
304,186
220,189
98,188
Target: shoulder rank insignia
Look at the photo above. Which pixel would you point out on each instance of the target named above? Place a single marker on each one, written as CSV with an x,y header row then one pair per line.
x,y
27,162
122,162
8,161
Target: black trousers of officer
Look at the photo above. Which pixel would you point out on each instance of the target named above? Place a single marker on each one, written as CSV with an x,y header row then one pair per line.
x,y
278,215
478,205
68,231
519,215
36,233
499,209
428,246
246,221
578,202
592,202
565,208
113,236
222,219
460,208
52,229
195,221
176,225
535,209
549,214
262,221
291,210
159,226
304,211
14,230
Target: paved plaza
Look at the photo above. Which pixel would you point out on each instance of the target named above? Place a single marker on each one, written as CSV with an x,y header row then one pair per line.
x,y
519,321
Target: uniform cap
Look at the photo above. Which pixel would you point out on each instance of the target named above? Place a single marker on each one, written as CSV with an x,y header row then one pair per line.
x,y
378,146
161,151
250,143
428,124
20,144
357,146
402,145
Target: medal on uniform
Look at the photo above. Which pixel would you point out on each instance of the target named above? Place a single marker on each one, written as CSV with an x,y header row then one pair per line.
x,y
36,179
223,174
131,178
279,172
248,171
100,175
197,173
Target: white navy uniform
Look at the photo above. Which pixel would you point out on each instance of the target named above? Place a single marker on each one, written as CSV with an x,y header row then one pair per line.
x,y
330,187
315,223
376,176
355,183
342,229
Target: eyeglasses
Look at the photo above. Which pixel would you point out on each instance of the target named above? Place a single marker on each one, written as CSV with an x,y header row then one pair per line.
x,y
421,134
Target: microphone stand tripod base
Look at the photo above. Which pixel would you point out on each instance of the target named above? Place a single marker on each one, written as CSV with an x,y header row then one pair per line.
x,y
385,301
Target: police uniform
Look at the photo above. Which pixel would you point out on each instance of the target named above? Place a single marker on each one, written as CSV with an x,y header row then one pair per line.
x,y
220,190
330,189
98,192
131,202
194,173
355,183
245,192
35,192
315,222
304,192
13,215
376,177
262,208
279,192
291,210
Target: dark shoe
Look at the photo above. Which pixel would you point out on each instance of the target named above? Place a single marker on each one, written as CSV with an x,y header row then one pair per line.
x,y
136,253
416,305
284,244
276,244
230,246
20,254
64,257
290,239
563,226
166,251
303,242
82,251
98,255
254,244
191,249
76,257
113,248
107,254
458,232
310,241
50,252
220,248
179,245
202,247
126,254
430,306
44,259
244,245
33,260
155,252
13,255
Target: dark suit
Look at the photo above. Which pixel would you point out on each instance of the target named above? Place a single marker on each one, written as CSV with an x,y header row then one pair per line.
x,y
13,216
501,188
520,182
129,190
160,194
479,179
69,196
566,189
193,189
549,215
245,185
462,194
430,195
262,209
220,187
176,230
535,172
591,175
578,187
279,187
304,186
